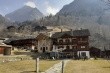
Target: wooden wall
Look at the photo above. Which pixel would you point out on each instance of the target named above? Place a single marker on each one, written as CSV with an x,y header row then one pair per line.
x,y
1,50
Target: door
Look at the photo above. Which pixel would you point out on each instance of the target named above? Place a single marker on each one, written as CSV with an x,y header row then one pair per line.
x,y
83,54
43,49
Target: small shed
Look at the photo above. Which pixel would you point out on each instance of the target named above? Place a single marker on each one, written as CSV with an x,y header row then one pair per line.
x,y
5,49
95,52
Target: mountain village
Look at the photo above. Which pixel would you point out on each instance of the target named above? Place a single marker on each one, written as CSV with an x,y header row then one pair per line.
x,y
75,40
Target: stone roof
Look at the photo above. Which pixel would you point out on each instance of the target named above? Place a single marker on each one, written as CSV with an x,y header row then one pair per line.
x,y
82,32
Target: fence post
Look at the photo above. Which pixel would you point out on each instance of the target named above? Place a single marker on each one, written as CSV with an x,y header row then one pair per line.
x,y
37,65
62,67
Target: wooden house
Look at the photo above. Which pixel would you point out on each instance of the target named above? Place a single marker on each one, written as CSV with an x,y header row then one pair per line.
x,y
66,43
4,49
72,43
29,43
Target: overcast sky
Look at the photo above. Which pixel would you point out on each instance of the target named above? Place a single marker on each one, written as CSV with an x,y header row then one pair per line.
x,y
45,6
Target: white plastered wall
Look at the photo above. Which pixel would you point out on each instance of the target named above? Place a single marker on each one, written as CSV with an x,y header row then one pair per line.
x,y
87,53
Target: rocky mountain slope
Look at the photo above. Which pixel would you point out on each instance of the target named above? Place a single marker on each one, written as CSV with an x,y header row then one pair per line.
x,y
25,13
98,9
4,22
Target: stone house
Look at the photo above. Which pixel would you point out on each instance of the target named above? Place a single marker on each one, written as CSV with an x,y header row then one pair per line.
x,y
44,43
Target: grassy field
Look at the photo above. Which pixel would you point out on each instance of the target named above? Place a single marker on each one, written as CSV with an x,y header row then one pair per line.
x,y
89,66
27,66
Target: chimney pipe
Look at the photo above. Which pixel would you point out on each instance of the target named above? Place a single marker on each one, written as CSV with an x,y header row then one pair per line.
x,y
61,30
71,32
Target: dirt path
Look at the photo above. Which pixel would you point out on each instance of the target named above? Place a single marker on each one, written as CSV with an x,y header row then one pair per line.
x,y
56,68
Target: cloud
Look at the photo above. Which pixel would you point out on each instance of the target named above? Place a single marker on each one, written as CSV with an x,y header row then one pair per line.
x,y
31,4
3,11
50,9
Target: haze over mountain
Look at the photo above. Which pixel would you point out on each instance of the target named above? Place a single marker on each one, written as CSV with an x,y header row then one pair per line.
x,y
4,22
25,13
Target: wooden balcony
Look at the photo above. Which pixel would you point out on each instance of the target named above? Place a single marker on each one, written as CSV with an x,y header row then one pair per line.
x,y
83,42
65,43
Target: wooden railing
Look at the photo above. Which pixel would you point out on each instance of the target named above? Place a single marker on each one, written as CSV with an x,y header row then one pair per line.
x,y
65,43
71,43
83,42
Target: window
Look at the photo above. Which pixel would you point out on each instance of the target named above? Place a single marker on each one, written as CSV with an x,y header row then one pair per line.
x,y
46,48
41,48
83,47
83,39
83,54
36,48
60,41
60,47
67,40
74,47
74,40
67,47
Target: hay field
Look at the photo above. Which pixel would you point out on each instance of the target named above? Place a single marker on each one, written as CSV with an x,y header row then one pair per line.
x,y
88,66
26,66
